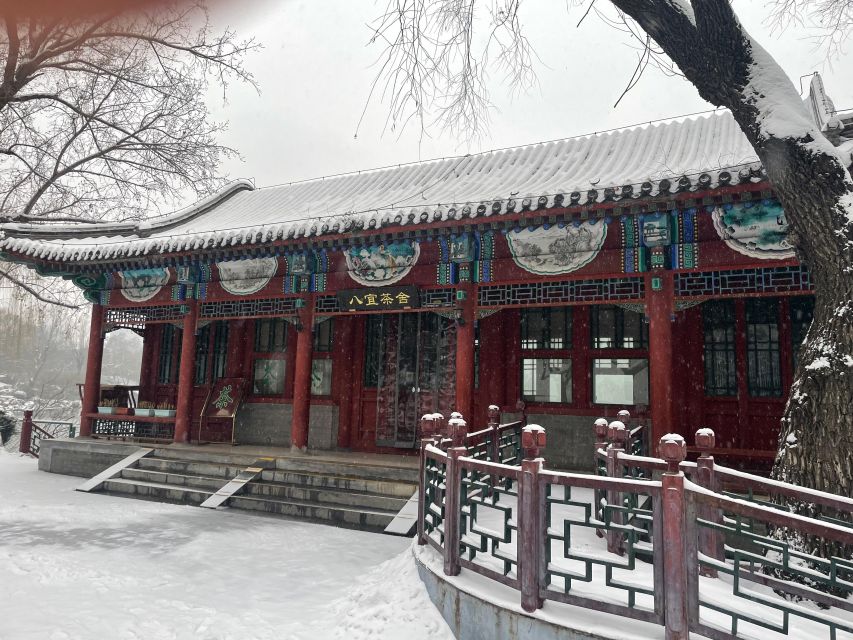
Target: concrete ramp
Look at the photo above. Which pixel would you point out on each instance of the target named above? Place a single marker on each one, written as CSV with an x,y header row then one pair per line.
x,y
95,483
406,520
237,483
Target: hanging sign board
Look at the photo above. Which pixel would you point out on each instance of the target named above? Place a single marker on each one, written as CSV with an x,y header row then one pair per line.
x,y
379,299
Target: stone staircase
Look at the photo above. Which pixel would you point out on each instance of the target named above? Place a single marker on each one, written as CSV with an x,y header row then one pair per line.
x,y
347,494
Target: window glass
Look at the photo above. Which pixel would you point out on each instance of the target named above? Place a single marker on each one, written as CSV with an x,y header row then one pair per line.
x,y
220,349
165,369
546,379
617,328
268,377
323,335
373,340
762,347
202,354
802,314
718,321
546,328
321,377
270,335
623,381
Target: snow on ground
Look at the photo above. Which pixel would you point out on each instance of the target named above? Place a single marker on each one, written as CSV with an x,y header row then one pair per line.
x,y
76,566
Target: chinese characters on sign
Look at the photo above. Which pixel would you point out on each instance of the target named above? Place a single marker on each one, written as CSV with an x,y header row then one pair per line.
x,y
382,299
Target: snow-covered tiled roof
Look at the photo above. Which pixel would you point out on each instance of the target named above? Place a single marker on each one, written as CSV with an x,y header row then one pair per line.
x,y
628,164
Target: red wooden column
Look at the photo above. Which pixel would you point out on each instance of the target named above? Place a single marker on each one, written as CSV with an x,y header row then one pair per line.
x,y
465,349
183,420
94,358
660,309
302,375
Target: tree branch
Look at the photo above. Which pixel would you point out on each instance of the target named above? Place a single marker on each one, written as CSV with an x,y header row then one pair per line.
x,y
33,292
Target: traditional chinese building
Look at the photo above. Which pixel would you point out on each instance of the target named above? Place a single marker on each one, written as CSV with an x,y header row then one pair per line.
x,y
645,269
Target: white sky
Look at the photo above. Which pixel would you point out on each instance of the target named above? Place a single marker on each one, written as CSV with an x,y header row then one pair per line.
x,y
316,70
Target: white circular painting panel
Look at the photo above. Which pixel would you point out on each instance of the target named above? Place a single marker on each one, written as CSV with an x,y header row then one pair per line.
x,y
383,264
556,250
244,277
140,285
759,230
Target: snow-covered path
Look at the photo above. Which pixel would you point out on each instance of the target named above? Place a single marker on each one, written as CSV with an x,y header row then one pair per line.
x,y
80,566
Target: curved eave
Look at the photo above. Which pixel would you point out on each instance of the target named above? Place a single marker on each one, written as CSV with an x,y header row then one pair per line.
x,y
257,242
120,229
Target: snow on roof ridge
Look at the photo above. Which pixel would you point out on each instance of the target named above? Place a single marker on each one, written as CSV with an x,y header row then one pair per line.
x,y
197,207
76,228
651,124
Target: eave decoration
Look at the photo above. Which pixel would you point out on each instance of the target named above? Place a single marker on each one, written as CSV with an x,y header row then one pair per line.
x,y
556,249
305,271
140,285
466,257
755,229
383,264
245,277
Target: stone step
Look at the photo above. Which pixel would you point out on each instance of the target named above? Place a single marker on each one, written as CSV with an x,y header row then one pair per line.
x,y
242,460
324,497
366,518
276,490
221,470
350,517
191,481
398,489
348,469
155,491
347,472
395,469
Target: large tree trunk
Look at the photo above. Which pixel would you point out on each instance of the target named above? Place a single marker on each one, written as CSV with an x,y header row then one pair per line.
x,y
812,180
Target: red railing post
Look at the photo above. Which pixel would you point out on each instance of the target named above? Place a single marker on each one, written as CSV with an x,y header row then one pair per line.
x,y
710,540
600,431
458,429
601,443
427,425
452,508
494,436
530,542
615,538
26,432
673,450
624,416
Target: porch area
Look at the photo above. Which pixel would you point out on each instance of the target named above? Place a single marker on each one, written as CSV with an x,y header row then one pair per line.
x,y
354,490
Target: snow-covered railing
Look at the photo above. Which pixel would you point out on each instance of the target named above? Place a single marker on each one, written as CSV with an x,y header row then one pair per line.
x,y
495,443
34,431
678,552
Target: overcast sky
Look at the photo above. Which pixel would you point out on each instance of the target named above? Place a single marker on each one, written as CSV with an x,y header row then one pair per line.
x,y
316,69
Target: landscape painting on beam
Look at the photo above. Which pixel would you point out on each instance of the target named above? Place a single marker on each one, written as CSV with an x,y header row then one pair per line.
x,y
755,229
383,264
561,248
244,277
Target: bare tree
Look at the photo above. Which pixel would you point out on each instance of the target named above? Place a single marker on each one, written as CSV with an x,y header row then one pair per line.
x,y
431,64
102,116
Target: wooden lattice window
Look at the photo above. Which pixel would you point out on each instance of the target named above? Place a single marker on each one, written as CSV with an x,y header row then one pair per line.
x,y
269,364
718,320
617,328
374,333
546,328
166,365
211,352
762,347
321,365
